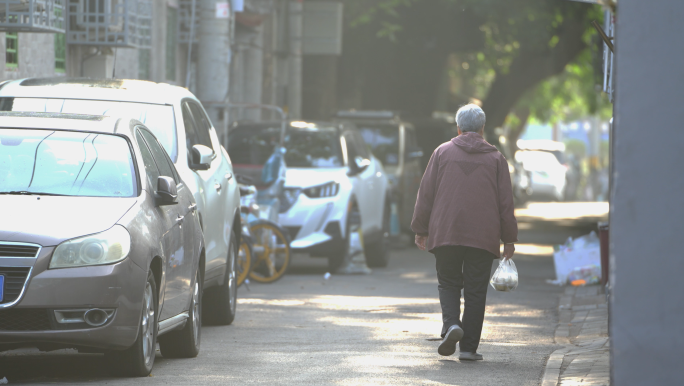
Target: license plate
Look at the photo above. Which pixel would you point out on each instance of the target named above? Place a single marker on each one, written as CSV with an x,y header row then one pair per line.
x,y
2,286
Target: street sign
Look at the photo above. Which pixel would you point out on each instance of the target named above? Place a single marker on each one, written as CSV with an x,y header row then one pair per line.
x,y
222,10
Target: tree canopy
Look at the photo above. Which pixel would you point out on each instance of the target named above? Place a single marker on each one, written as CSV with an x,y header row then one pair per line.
x,y
417,56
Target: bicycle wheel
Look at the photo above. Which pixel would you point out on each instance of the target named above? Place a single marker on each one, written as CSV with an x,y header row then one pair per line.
x,y
271,248
244,260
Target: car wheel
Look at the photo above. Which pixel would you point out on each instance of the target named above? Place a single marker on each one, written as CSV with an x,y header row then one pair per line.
x,y
336,258
222,301
137,360
185,343
377,253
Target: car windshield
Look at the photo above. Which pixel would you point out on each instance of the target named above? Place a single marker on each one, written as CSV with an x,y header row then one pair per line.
x,y
65,163
159,119
309,147
383,140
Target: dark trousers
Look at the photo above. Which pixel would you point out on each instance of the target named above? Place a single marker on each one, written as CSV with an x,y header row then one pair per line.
x,y
463,268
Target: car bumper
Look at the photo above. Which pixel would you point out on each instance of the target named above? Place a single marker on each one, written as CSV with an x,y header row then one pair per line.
x,y
32,321
315,225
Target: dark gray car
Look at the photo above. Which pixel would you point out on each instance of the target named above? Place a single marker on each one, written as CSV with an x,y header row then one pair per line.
x,y
100,246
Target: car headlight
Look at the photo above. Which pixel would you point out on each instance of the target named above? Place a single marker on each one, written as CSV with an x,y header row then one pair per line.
x,y
326,190
108,247
287,198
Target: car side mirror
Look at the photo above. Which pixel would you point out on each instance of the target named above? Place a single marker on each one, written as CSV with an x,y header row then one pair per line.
x,y
166,191
201,157
357,165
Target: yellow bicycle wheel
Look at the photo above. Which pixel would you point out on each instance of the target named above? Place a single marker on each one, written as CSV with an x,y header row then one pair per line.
x,y
272,251
244,262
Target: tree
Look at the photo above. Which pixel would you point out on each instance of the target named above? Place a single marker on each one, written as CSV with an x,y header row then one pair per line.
x,y
396,52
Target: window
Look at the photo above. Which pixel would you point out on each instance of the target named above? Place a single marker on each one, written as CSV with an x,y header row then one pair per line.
x,y
171,42
66,163
159,119
200,116
160,157
312,147
150,167
11,49
383,140
194,134
144,64
60,48
60,52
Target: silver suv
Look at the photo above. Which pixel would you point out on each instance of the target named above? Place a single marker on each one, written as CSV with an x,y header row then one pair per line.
x,y
176,117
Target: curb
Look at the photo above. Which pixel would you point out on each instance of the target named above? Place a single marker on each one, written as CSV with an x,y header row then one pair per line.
x,y
553,367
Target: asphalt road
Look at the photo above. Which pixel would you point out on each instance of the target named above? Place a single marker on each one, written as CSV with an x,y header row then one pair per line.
x,y
351,330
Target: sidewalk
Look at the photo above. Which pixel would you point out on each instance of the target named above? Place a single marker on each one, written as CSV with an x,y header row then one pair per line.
x,y
583,329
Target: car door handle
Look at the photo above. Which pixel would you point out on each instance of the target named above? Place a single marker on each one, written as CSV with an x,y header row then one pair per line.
x,y
218,187
193,207
229,176
179,219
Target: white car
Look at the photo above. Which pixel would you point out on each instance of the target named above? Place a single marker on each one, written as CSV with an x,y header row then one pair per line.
x,y
333,184
547,175
176,117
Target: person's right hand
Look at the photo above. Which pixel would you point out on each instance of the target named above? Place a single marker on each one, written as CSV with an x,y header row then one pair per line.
x,y
508,251
421,242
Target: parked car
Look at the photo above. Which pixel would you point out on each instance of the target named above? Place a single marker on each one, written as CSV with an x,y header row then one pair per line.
x,y
393,142
573,173
332,180
520,181
432,132
100,244
547,175
181,125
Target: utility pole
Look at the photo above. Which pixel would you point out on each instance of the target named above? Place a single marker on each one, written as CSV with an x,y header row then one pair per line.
x,y
294,82
213,55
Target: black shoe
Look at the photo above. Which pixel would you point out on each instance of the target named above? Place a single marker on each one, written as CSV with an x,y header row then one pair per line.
x,y
452,336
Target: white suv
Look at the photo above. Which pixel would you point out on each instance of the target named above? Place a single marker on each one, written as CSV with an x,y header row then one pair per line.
x,y
176,117
333,185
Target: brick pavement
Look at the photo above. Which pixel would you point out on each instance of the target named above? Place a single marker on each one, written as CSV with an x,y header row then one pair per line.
x,y
583,329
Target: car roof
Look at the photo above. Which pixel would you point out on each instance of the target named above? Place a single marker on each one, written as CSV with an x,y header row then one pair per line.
x,y
290,124
124,90
58,121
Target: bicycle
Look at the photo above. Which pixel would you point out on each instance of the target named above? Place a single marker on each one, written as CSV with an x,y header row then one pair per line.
x,y
264,253
271,247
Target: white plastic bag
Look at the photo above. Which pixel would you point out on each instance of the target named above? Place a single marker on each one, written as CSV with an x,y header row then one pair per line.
x,y
505,277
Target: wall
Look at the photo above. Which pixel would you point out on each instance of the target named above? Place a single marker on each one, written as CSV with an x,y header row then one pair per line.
x,y
36,56
647,213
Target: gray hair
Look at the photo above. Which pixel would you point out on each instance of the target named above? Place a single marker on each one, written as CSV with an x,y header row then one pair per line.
x,y
470,118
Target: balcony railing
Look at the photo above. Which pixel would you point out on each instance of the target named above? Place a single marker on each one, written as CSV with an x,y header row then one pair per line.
x,y
113,23
32,16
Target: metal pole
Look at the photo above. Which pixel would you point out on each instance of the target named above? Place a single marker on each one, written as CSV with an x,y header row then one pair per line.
x,y
190,43
294,84
213,56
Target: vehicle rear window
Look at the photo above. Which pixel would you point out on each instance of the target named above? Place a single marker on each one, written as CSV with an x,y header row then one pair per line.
x,y
311,147
159,119
66,163
383,140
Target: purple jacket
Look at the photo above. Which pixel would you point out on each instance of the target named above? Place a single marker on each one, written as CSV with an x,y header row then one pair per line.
x,y
465,197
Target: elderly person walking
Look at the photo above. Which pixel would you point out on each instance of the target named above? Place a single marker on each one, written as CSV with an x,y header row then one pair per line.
x,y
463,211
